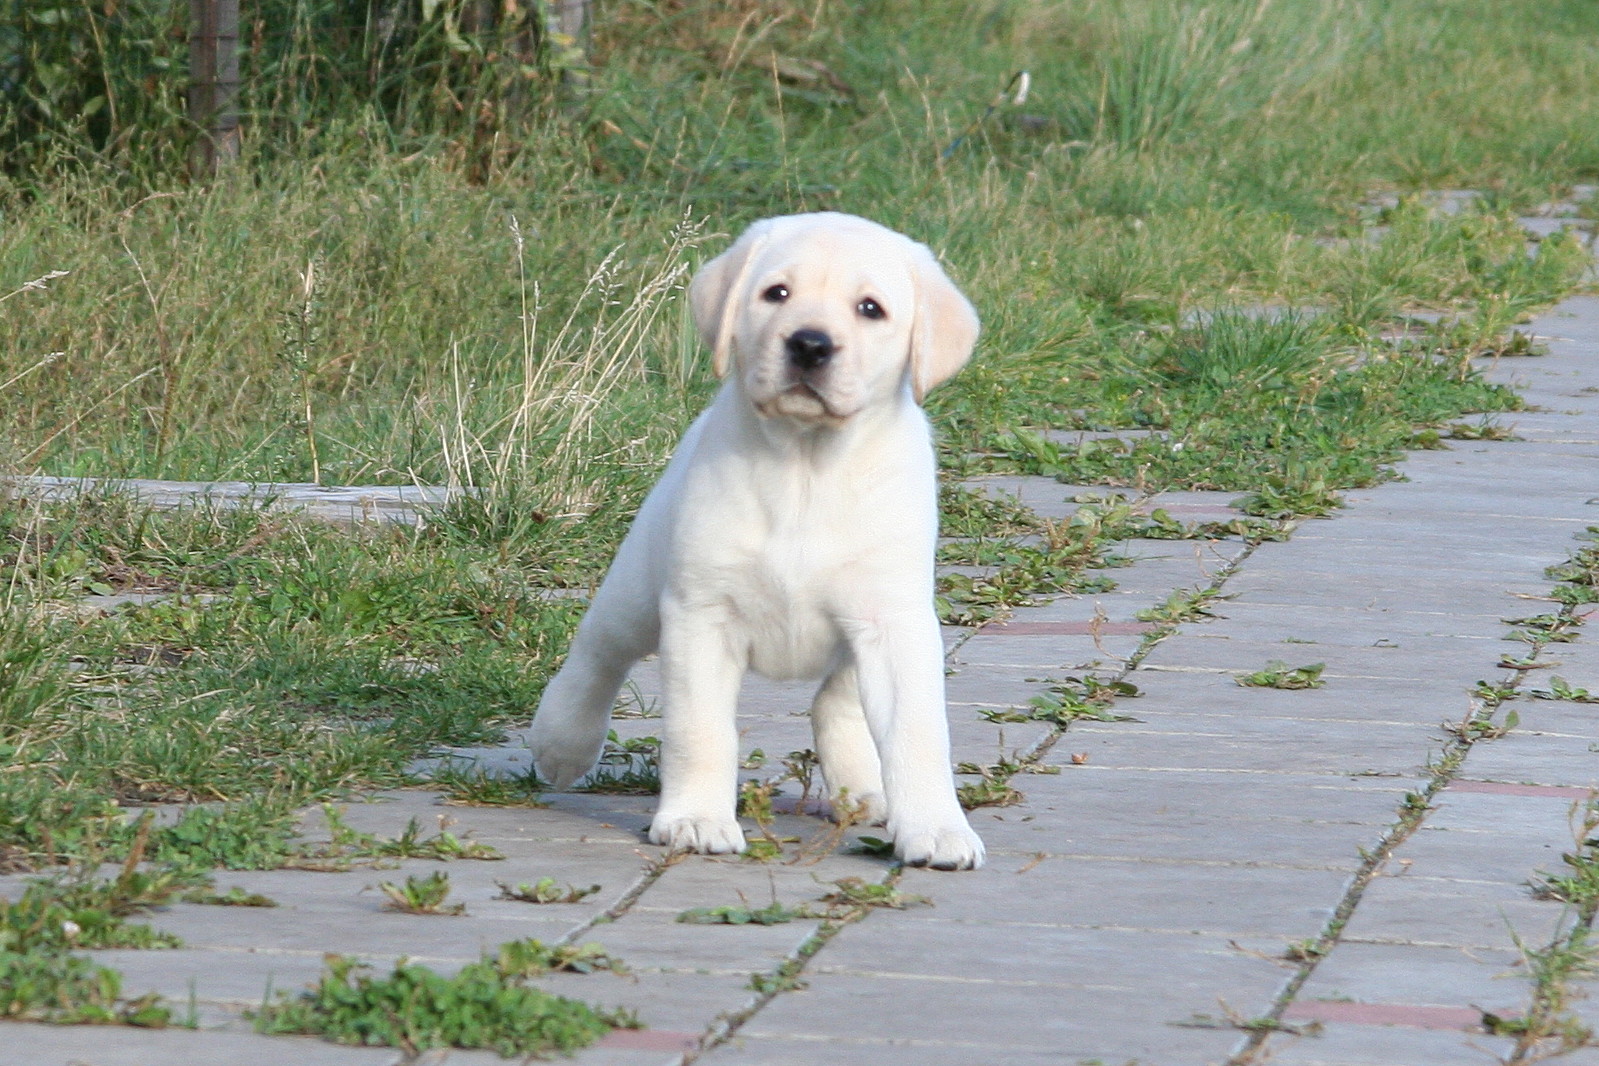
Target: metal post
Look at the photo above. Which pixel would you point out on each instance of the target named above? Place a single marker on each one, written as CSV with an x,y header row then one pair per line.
x,y
214,83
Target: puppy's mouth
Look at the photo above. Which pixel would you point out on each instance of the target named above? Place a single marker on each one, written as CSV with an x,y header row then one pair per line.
x,y
802,402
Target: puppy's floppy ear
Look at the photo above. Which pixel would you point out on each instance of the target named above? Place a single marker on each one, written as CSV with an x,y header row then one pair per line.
x,y
717,290
944,331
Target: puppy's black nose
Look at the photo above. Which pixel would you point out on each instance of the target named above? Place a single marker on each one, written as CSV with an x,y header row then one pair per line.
x,y
809,348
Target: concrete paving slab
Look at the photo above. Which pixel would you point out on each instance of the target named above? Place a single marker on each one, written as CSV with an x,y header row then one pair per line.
x,y
1109,1024
1186,694
1243,742
1359,627
1156,567
1530,756
1045,654
748,1050
1420,660
968,689
1421,975
1189,816
1218,899
1490,858
1386,1045
1412,908
666,1001
1045,497
80,1045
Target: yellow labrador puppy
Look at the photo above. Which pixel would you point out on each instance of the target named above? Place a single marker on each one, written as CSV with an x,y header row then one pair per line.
x,y
792,534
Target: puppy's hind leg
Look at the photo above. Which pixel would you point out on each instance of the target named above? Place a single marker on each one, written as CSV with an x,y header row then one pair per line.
x,y
850,765
575,711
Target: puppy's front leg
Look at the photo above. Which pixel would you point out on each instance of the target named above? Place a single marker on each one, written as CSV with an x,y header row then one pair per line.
x,y
900,664
700,674
845,747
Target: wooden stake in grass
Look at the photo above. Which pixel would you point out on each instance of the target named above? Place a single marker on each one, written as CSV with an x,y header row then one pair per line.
x,y
301,336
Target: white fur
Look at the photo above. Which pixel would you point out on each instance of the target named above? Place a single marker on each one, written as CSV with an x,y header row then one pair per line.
x,y
792,534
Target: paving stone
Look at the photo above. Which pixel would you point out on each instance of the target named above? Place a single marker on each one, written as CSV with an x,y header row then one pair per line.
x,y
1463,594
1182,815
1558,717
747,1050
667,1001
991,1020
1186,694
1155,568
1357,627
1043,496
1385,1045
1224,900
998,688
1548,227
1242,742
349,917
1536,757
1412,908
1538,819
73,1045
1419,660
1421,975
699,881
1050,655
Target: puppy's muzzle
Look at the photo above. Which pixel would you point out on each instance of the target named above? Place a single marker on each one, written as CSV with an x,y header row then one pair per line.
x,y
809,349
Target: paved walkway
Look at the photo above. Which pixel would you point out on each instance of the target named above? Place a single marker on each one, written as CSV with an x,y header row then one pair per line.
x,y
1144,904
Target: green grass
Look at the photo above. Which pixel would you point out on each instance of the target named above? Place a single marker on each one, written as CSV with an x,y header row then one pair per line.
x,y
1173,157
486,1005
299,663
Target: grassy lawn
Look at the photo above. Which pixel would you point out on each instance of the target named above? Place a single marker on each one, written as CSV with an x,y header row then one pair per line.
x,y
1208,221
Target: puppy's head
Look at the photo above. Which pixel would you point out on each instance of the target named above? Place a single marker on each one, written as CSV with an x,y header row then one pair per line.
x,y
823,315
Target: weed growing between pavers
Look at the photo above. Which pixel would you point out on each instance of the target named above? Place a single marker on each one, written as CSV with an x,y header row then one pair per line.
x,y
1561,689
545,890
1578,576
421,895
848,898
1577,883
1279,674
1065,702
69,989
849,901
488,1004
1184,605
773,913
1550,1027
626,767
756,802
473,786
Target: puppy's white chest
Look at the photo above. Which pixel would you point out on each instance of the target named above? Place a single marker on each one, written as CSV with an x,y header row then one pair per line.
x,y
785,613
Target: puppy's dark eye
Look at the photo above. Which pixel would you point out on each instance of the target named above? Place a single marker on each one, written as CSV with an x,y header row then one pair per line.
x,y
776,294
870,308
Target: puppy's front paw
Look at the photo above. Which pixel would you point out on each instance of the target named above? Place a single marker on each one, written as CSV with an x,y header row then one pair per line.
x,y
559,757
706,834
949,847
